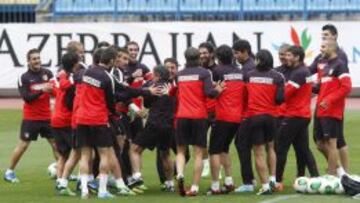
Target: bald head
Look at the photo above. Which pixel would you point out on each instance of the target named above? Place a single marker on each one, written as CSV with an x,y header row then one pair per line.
x,y
329,48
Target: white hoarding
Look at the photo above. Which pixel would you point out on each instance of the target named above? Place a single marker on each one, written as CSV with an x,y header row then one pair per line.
x,y
164,39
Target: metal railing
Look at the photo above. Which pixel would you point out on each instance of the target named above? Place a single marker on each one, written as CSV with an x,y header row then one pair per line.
x,y
25,10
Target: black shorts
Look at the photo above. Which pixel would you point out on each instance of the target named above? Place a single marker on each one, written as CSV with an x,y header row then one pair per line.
x,y
191,132
326,128
63,140
153,136
136,126
221,136
262,129
30,130
94,136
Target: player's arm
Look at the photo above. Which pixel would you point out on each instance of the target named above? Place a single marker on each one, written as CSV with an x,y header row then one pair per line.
x,y
25,92
64,81
109,91
345,86
209,89
280,90
296,80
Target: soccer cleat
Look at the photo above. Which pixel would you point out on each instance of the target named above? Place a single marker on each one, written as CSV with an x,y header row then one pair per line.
x,y
105,195
191,193
125,191
137,186
264,192
93,186
213,192
65,191
11,177
272,185
245,188
78,186
181,186
166,188
227,188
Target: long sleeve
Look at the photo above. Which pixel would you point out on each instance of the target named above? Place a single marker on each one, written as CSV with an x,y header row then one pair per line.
x,y
209,87
25,92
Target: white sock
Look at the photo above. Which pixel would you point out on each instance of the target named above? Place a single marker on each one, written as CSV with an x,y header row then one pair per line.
x,y
169,183
137,175
9,171
91,177
103,178
63,182
272,179
179,175
120,183
266,186
215,185
84,181
340,171
194,188
229,180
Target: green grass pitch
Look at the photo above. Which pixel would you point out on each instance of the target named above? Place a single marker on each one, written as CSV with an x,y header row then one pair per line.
x,y
36,186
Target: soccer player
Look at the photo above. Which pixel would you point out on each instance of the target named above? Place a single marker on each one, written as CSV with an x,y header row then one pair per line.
x,y
207,61
296,116
61,117
335,85
75,153
244,60
265,88
158,131
77,47
93,130
228,114
329,32
172,65
35,87
194,85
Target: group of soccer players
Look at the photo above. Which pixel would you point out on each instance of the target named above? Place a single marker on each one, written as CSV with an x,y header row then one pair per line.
x,y
99,113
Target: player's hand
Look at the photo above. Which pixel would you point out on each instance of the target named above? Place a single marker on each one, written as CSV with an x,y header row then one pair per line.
x,y
166,88
137,73
156,91
142,113
220,86
324,105
47,88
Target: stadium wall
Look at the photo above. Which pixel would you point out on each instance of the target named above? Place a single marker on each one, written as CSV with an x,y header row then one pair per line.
x,y
160,40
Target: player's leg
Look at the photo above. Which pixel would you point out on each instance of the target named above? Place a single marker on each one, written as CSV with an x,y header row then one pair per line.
x,y
243,147
343,148
86,154
261,168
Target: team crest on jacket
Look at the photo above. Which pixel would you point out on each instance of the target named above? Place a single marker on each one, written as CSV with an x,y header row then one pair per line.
x,y
45,77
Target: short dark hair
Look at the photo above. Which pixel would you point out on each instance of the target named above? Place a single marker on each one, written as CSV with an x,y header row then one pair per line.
x,y
242,45
103,44
171,60
108,55
97,55
30,52
192,56
162,71
297,51
68,60
224,54
208,46
331,28
131,43
265,60
122,50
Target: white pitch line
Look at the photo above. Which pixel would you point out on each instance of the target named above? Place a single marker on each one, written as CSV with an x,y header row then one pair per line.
x,y
277,199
